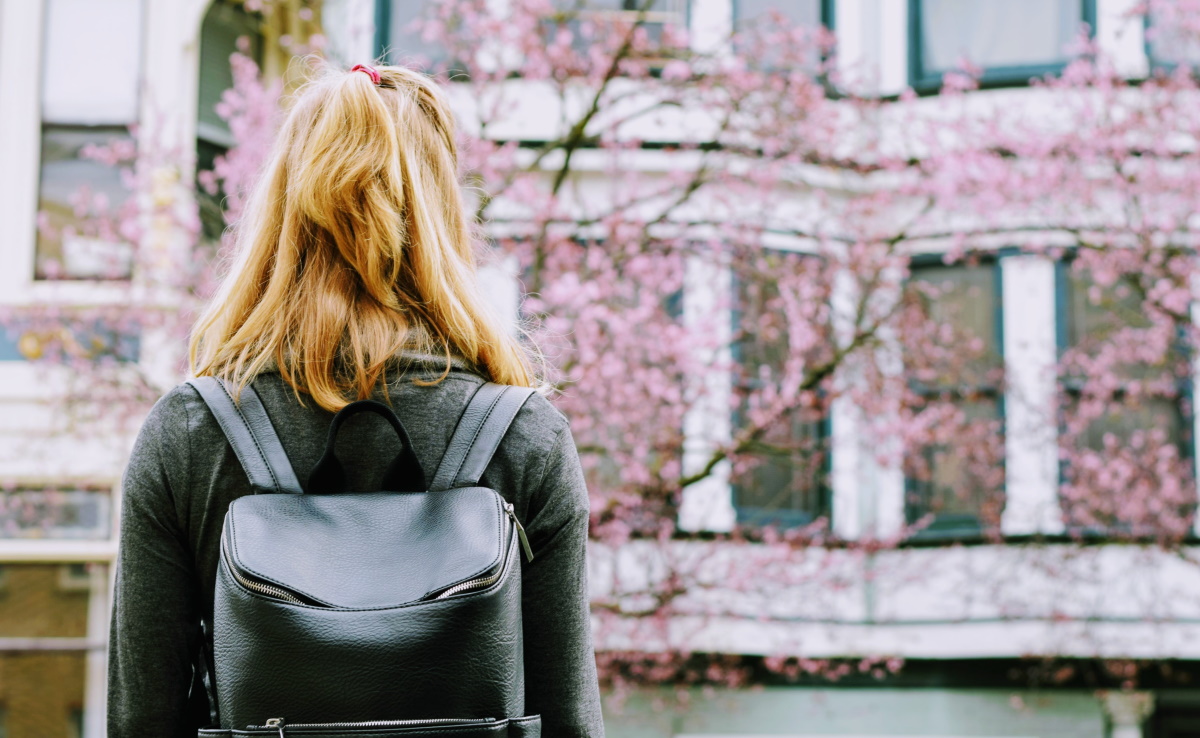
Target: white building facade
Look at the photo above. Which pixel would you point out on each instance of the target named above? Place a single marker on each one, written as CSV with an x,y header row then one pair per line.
x,y
74,72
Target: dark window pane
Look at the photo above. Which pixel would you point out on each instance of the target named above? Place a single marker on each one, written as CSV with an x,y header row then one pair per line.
x,y
964,298
405,45
1095,316
225,25
996,34
953,490
960,483
1126,422
78,199
788,482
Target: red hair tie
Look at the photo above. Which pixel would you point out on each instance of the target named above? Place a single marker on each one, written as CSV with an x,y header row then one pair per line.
x,y
372,72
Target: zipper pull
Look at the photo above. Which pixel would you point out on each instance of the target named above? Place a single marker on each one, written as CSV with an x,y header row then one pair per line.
x,y
508,508
276,723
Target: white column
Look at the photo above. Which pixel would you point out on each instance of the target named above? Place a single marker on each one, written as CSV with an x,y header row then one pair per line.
x,y
882,472
708,504
21,34
845,421
711,24
1030,355
96,675
1126,711
891,19
1122,36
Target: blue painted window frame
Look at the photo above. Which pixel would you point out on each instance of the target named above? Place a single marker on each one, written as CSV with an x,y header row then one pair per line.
x,y
927,82
956,527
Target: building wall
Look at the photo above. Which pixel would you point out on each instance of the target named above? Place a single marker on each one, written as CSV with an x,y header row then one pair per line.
x,y
853,712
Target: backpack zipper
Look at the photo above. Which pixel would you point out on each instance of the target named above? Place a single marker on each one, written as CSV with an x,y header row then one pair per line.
x,y
265,589
279,724
490,579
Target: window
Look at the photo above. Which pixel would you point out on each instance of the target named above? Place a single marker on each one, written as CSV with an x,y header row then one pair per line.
x,y
957,479
56,514
1170,41
78,194
788,480
751,15
400,43
228,28
803,13
1149,407
44,683
1009,40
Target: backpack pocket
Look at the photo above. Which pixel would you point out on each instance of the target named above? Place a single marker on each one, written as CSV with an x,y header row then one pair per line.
x,y
524,727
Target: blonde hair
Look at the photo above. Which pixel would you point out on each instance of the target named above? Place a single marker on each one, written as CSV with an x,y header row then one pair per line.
x,y
354,244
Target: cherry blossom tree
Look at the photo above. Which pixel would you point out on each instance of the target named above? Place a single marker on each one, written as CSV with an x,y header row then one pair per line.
x,y
763,271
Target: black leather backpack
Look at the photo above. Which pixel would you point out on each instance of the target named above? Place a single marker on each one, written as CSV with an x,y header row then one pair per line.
x,y
368,614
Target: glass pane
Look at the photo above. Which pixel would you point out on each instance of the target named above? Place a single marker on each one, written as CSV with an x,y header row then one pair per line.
x,y
1122,420
798,12
1169,41
73,191
965,298
405,45
996,33
224,25
1094,314
53,513
42,685
92,61
953,491
788,482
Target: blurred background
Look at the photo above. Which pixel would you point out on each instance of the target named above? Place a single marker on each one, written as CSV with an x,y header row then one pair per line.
x,y
875,321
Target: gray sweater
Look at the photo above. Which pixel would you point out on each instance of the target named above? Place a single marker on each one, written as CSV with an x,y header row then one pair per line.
x,y
183,475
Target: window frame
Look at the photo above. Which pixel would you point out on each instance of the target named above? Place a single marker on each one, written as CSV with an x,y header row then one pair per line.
x,y
761,516
1152,63
44,31
926,82
1184,405
958,526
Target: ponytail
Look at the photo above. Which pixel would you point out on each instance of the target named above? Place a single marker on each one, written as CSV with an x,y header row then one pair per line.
x,y
354,245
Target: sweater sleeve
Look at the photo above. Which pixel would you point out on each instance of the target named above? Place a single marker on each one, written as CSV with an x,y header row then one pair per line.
x,y
154,629
560,663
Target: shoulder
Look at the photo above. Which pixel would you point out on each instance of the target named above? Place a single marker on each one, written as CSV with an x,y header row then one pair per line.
x,y
170,414
539,425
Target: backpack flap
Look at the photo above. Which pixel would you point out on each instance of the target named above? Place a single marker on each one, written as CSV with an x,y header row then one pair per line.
x,y
366,550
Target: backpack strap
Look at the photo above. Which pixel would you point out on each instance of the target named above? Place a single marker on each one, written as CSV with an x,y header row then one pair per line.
x,y
250,433
480,429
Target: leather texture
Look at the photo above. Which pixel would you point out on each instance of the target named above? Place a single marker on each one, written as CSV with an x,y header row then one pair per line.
x,y
374,549
480,429
250,433
322,608
523,727
461,656
404,474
